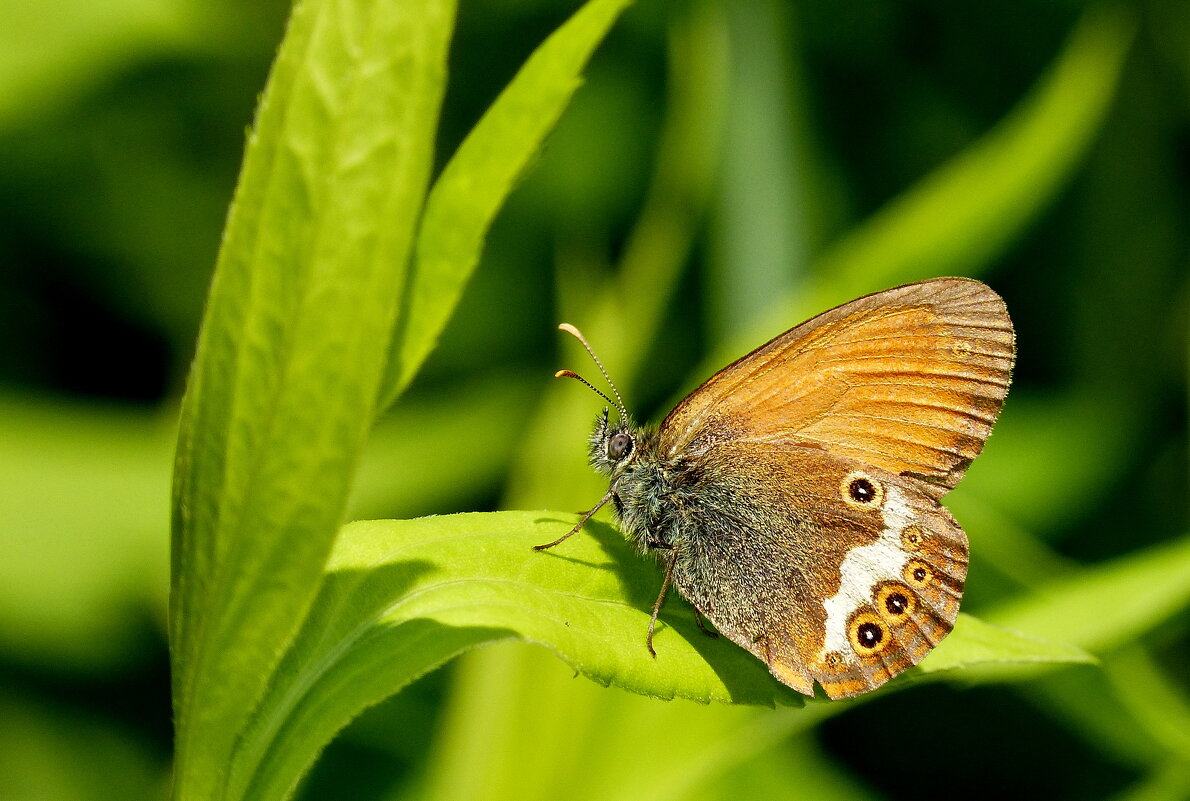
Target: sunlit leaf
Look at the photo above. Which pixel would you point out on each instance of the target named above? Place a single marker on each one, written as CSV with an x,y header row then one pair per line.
x,y
404,596
1105,606
477,180
974,642
284,387
292,353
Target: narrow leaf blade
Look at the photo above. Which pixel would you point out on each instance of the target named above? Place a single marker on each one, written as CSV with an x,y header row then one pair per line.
x,y
1102,607
477,180
958,219
961,217
291,353
976,643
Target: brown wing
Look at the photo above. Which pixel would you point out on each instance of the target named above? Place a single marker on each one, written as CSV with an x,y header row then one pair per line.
x,y
909,380
781,556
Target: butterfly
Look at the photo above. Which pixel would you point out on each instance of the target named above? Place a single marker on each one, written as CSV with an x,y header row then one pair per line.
x,y
794,497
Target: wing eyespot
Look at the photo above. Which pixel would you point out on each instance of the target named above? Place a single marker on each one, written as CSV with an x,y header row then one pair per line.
x,y
913,537
861,491
896,602
867,634
918,574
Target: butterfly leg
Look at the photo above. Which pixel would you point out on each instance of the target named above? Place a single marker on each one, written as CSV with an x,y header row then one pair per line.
x,y
703,625
669,572
578,526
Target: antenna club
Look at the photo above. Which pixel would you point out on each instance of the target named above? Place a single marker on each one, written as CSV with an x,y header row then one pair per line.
x,y
619,402
577,377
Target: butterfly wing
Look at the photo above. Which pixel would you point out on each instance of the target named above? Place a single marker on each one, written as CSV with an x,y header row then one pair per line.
x,y
780,555
810,472
909,380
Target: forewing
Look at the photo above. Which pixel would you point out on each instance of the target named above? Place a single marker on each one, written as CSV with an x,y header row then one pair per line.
x,y
909,380
783,559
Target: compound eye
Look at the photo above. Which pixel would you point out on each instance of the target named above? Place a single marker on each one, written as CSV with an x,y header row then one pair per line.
x,y
619,445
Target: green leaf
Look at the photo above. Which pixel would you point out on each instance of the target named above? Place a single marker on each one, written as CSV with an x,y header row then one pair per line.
x,y
477,180
974,643
84,507
404,596
1102,607
291,354
311,283
1155,699
52,52
960,218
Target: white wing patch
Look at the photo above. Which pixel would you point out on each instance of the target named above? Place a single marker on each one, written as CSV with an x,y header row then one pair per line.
x,y
865,567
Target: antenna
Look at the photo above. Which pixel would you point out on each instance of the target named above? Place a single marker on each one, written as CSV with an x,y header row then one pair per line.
x,y
577,377
619,402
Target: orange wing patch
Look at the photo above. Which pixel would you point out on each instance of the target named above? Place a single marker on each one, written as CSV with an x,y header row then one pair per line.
x,y
909,380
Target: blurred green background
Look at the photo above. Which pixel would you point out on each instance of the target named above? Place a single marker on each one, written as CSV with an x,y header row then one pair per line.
x,y
720,157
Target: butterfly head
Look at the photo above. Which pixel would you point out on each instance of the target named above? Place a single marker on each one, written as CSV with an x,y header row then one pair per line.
x,y
612,446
